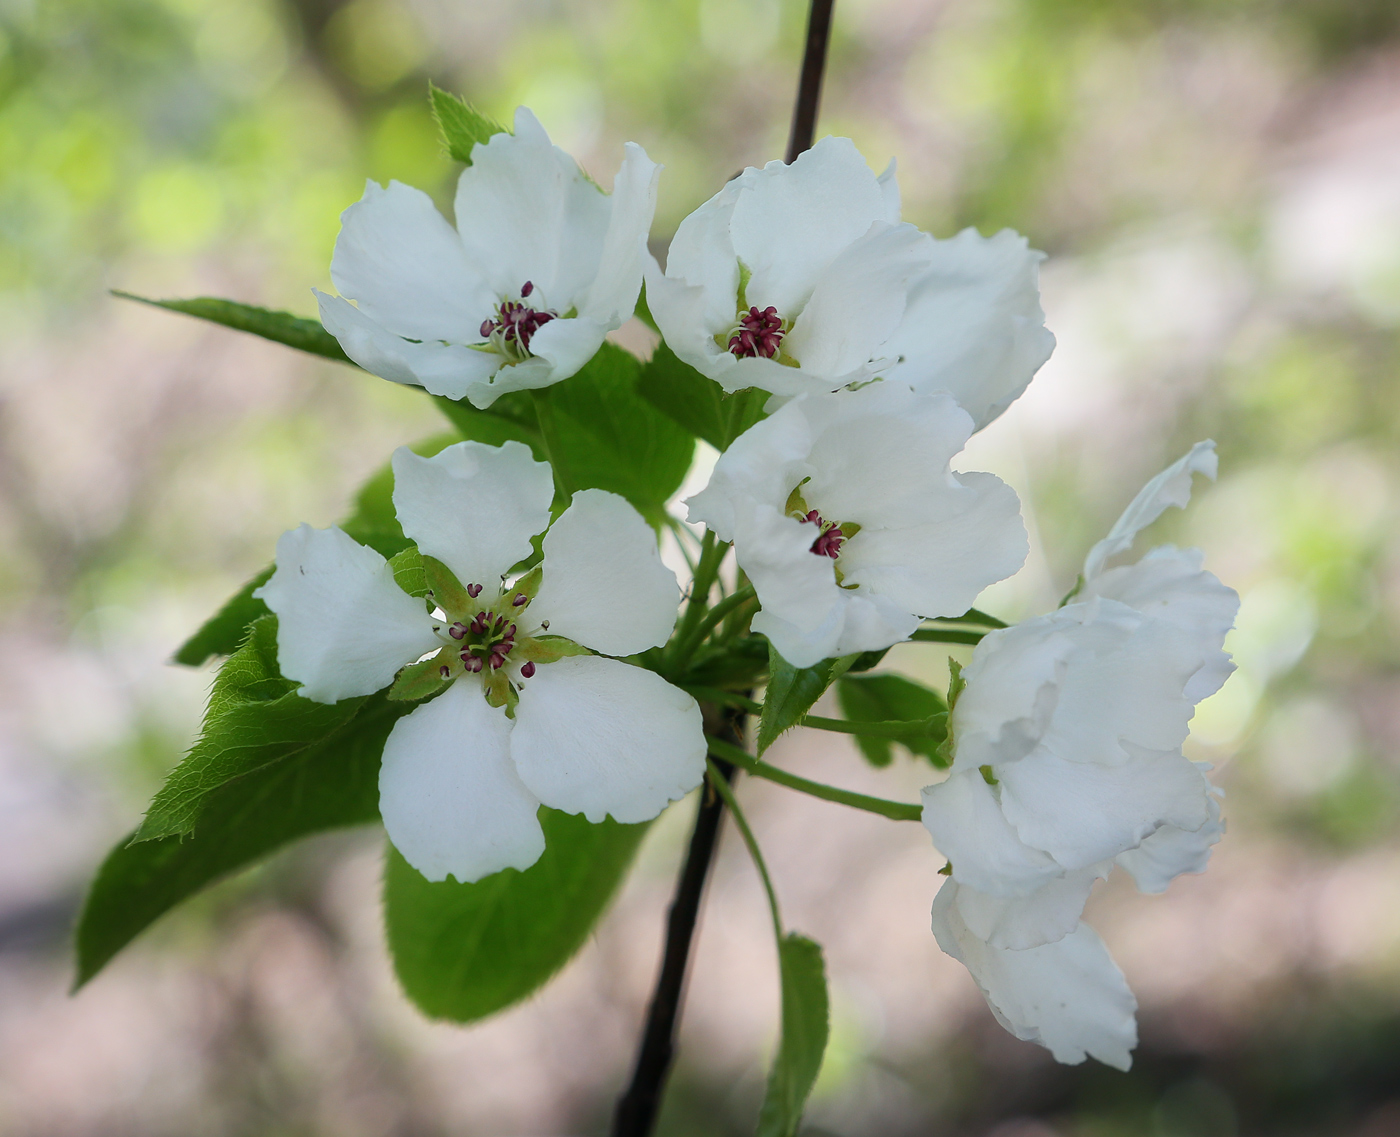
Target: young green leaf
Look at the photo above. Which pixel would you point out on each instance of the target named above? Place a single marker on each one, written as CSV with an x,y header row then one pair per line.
x,y
792,691
465,951
601,433
330,784
881,698
696,402
511,417
299,332
806,1016
461,124
372,523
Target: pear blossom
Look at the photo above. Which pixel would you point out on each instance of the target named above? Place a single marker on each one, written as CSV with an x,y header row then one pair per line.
x,y
523,713
849,522
541,265
1067,760
802,278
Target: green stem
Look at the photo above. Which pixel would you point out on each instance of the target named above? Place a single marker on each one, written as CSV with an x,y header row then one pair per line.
x,y
686,648
712,552
723,788
894,810
887,728
544,414
946,636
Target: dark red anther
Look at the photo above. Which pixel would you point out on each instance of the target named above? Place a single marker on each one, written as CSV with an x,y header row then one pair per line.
x,y
828,544
444,671
526,288
473,590
760,334
500,622
457,631
487,327
520,600
471,662
480,622
527,669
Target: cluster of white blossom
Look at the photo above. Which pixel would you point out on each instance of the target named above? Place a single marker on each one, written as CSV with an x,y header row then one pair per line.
x,y
883,350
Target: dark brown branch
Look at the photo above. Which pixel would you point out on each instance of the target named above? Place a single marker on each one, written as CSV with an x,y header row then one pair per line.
x,y
809,86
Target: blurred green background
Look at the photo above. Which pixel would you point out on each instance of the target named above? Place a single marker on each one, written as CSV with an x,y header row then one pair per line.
x,y
1217,183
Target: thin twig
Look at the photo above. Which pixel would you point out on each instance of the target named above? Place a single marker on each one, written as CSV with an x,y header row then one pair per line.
x,y
809,86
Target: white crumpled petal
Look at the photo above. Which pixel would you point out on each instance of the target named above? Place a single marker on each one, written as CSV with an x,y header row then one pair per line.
x,y
1170,851
525,211
878,457
1048,914
405,267
1170,584
612,297
604,585
473,507
451,799
964,818
598,737
1068,996
446,369
973,325
1083,812
344,628
1171,487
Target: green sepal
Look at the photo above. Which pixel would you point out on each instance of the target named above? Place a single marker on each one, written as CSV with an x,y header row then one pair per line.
x,y
255,718
806,1026
792,691
419,680
696,402
880,698
445,589
300,332
956,683
547,649
465,951
461,124
330,783
600,433
529,584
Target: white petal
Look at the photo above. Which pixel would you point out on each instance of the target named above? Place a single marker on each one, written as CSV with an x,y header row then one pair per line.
x,y
440,368
969,829
404,265
1171,487
1048,914
597,737
889,187
473,507
566,345
973,325
612,297
526,212
789,222
604,585
1169,852
1082,813
344,628
938,568
1068,996
1169,584
451,800
701,256
857,300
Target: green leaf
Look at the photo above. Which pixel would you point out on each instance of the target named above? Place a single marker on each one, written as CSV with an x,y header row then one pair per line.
x,y
465,951
372,523
792,691
331,784
255,718
281,327
462,125
696,402
806,1016
601,433
510,418
880,698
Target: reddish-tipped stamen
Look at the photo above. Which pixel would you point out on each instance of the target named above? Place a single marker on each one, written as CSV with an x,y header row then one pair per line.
x,y
527,669
473,590
444,671
829,540
471,662
520,600
457,631
526,288
759,335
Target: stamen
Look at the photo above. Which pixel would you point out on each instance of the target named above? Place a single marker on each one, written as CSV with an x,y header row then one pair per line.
x,y
515,325
759,334
520,600
444,671
473,590
526,288
471,662
457,631
829,540
527,669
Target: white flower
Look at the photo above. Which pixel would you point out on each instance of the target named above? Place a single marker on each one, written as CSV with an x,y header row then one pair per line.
x,y
847,519
1067,760
525,716
802,278
541,266
1068,996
